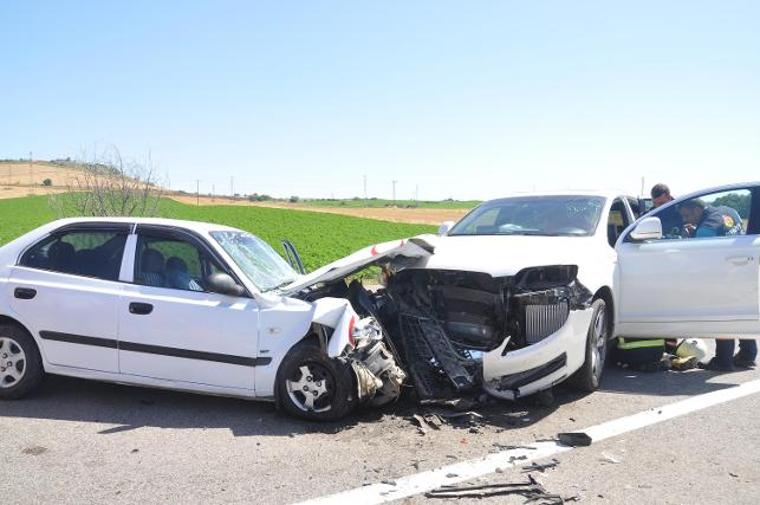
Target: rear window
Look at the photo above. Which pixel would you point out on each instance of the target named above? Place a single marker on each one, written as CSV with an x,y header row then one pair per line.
x,y
89,253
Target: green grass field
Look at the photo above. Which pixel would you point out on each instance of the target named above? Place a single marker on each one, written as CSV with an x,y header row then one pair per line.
x,y
319,237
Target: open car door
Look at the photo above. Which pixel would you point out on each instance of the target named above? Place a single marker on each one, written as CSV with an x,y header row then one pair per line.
x,y
700,277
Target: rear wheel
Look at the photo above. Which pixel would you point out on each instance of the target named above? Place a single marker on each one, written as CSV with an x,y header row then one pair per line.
x,y
20,362
588,377
312,386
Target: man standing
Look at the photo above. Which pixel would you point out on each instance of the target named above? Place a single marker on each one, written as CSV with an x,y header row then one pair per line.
x,y
660,195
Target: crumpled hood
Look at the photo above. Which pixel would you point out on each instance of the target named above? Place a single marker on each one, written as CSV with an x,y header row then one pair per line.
x,y
506,255
419,247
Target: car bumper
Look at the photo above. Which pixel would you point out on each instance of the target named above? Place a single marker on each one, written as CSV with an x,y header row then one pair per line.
x,y
539,366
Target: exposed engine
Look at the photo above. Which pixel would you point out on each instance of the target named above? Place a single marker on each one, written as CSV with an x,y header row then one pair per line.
x,y
435,325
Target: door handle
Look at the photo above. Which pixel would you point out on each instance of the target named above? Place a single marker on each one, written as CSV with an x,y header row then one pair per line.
x,y
25,293
740,260
140,309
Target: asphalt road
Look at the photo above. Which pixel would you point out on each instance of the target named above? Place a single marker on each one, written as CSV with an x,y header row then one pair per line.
x,y
83,442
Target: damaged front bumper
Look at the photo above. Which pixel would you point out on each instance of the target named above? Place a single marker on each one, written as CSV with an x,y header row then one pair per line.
x,y
538,366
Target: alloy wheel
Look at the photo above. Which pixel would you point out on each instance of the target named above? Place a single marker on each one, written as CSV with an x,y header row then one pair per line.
x,y
12,363
311,388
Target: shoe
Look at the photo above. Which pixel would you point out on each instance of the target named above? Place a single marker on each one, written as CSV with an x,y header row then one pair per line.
x,y
742,362
715,366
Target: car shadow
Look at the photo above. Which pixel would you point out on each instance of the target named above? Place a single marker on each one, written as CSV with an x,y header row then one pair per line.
x,y
127,408
669,383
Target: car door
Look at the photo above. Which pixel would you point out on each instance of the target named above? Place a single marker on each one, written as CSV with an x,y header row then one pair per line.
x,y
171,328
703,283
66,288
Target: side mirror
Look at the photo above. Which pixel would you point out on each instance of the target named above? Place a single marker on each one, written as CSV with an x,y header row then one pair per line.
x,y
649,228
445,227
224,285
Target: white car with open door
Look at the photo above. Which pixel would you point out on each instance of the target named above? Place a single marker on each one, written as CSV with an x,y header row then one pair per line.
x,y
688,267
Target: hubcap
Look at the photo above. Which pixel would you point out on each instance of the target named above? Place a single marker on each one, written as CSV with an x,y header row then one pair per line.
x,y
599,342
13,364
309,389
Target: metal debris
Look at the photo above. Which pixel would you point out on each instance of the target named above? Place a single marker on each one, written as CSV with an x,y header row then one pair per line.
x,y
536,467
531,490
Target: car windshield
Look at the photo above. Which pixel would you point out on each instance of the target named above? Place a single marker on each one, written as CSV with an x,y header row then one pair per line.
x,y
260,263
572,216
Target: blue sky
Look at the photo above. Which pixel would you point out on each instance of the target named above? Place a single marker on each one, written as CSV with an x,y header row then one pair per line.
x,y
471,99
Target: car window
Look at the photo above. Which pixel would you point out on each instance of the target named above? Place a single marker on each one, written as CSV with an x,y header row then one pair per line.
x,y
719,214
172,263
560,215
617,221
89,253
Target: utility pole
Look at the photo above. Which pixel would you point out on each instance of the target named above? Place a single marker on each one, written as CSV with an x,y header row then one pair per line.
x,y
232,187
31,170
416,193
197,191
394,190
213,192
642,187
365,189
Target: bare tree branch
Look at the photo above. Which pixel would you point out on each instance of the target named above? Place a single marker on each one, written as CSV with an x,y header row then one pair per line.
x,y
109,185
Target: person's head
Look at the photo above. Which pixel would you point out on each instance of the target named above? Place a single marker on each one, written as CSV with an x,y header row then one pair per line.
x,y
692,211
660,195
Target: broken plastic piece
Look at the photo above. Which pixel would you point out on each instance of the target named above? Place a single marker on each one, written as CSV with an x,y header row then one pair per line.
x,y
577,439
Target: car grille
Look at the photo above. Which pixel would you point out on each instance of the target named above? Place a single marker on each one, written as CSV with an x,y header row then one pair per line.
x,y
543,320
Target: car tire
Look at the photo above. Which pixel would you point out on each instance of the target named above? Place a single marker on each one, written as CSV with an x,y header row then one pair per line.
x,y
312,386
20,363
588,377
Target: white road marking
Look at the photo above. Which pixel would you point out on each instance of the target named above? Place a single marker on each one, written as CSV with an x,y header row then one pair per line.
x,y
467,470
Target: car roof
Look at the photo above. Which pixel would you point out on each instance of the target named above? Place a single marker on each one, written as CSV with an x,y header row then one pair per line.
x,y
604,193
197,226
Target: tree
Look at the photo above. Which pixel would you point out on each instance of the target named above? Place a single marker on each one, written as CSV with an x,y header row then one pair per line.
x,y
47,182
738,201
110,185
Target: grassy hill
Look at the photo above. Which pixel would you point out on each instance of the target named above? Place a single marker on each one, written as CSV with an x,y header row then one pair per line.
x,y
320,237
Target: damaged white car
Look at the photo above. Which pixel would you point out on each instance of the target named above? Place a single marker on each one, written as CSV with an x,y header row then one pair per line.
x,y
513,299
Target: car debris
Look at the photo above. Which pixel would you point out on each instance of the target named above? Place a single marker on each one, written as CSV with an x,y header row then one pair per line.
x,y
577,439
609,458
532,490
541,467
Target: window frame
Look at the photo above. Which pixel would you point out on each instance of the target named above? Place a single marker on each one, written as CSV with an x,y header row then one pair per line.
x,y
85,227
753,220
185,235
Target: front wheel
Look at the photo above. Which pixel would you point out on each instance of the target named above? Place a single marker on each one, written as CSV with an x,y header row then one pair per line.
x,y
588,377
312,386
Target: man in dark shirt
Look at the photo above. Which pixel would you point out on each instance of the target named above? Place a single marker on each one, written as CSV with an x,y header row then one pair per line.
x,y
702,221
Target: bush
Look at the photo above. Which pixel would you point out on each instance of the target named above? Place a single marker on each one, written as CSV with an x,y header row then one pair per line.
x,y
294,199
47,182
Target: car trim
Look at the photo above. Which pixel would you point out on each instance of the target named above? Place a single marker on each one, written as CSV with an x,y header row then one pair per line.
x,y
154,349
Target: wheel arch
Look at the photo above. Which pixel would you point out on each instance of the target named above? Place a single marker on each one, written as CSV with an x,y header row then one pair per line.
x,y
605,293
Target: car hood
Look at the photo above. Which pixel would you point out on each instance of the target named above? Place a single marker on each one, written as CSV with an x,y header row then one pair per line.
x,y
416,248
506,255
